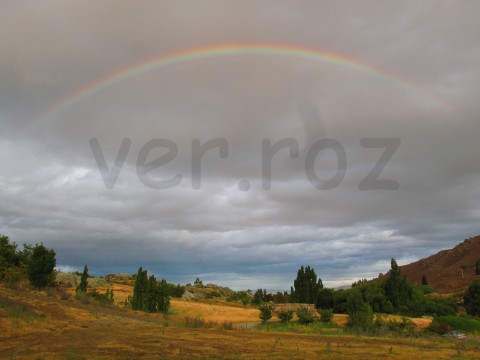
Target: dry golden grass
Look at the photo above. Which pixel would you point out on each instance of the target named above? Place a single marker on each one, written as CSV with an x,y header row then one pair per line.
x,y
37,325
219,312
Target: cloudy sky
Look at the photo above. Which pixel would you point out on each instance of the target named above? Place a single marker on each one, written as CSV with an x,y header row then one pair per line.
x,y
162,77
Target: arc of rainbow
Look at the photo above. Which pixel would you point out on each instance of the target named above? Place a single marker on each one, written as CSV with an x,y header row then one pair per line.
x,y
226,50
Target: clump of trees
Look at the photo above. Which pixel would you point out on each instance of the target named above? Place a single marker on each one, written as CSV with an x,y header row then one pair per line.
x,y
243,296
361,314
36,263
149,295
394,295
260,297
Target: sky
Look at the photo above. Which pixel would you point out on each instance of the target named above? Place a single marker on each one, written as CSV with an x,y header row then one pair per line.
x,y
145,134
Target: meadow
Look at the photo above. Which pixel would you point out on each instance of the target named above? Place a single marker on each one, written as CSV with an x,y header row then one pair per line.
x,y
52,324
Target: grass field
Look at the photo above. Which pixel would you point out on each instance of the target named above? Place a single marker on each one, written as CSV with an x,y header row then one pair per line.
x,y
40,325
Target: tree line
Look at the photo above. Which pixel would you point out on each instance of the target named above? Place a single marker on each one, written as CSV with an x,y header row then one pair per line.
x,y
392,295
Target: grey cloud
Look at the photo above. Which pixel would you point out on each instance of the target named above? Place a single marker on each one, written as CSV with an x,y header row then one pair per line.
x,y
52,191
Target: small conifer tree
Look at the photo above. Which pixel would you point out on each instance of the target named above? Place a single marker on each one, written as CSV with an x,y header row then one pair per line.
x,y
82,287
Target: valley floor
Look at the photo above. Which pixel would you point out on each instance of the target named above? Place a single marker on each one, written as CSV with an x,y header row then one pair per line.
x,y
40,325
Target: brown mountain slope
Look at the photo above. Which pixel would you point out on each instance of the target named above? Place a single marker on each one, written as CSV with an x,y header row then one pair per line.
x,y
448,271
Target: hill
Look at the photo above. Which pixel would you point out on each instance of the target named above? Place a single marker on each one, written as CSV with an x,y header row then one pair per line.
x,y
448,271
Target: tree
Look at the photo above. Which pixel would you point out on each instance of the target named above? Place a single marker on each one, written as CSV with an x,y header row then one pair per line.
x,y
140,290
198,283
424,280
325,299
82,287
361,314
8,257
176,290
151,295
285,315
397,289
306,286
477,267
41,266
281,298
163,297
265,312
304,315
258,297
472,299
8,253
326,315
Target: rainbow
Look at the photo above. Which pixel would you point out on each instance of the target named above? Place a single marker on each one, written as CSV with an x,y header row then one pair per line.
x,y
227,50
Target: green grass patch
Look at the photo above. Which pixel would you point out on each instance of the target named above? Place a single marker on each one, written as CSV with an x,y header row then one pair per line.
x,y
461,323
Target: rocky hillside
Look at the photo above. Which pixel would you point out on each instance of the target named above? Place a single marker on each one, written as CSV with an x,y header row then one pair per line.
x,y
448,271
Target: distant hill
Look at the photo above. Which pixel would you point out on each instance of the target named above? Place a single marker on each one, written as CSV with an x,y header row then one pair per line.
x,y
448,271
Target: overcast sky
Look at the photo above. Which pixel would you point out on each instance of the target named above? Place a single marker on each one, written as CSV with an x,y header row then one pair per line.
x,y
411,73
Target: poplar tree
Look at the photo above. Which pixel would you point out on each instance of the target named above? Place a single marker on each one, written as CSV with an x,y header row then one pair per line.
x,y
82,287
397,289
306,286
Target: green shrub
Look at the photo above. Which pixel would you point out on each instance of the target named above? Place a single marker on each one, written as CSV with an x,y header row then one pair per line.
x,y
305,316
361,314
176,291
406,326
285,315
106,298
265,312
379,322
326,315
13,275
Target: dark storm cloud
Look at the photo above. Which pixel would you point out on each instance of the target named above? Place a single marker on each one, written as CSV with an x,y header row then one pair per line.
x,y
53,191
